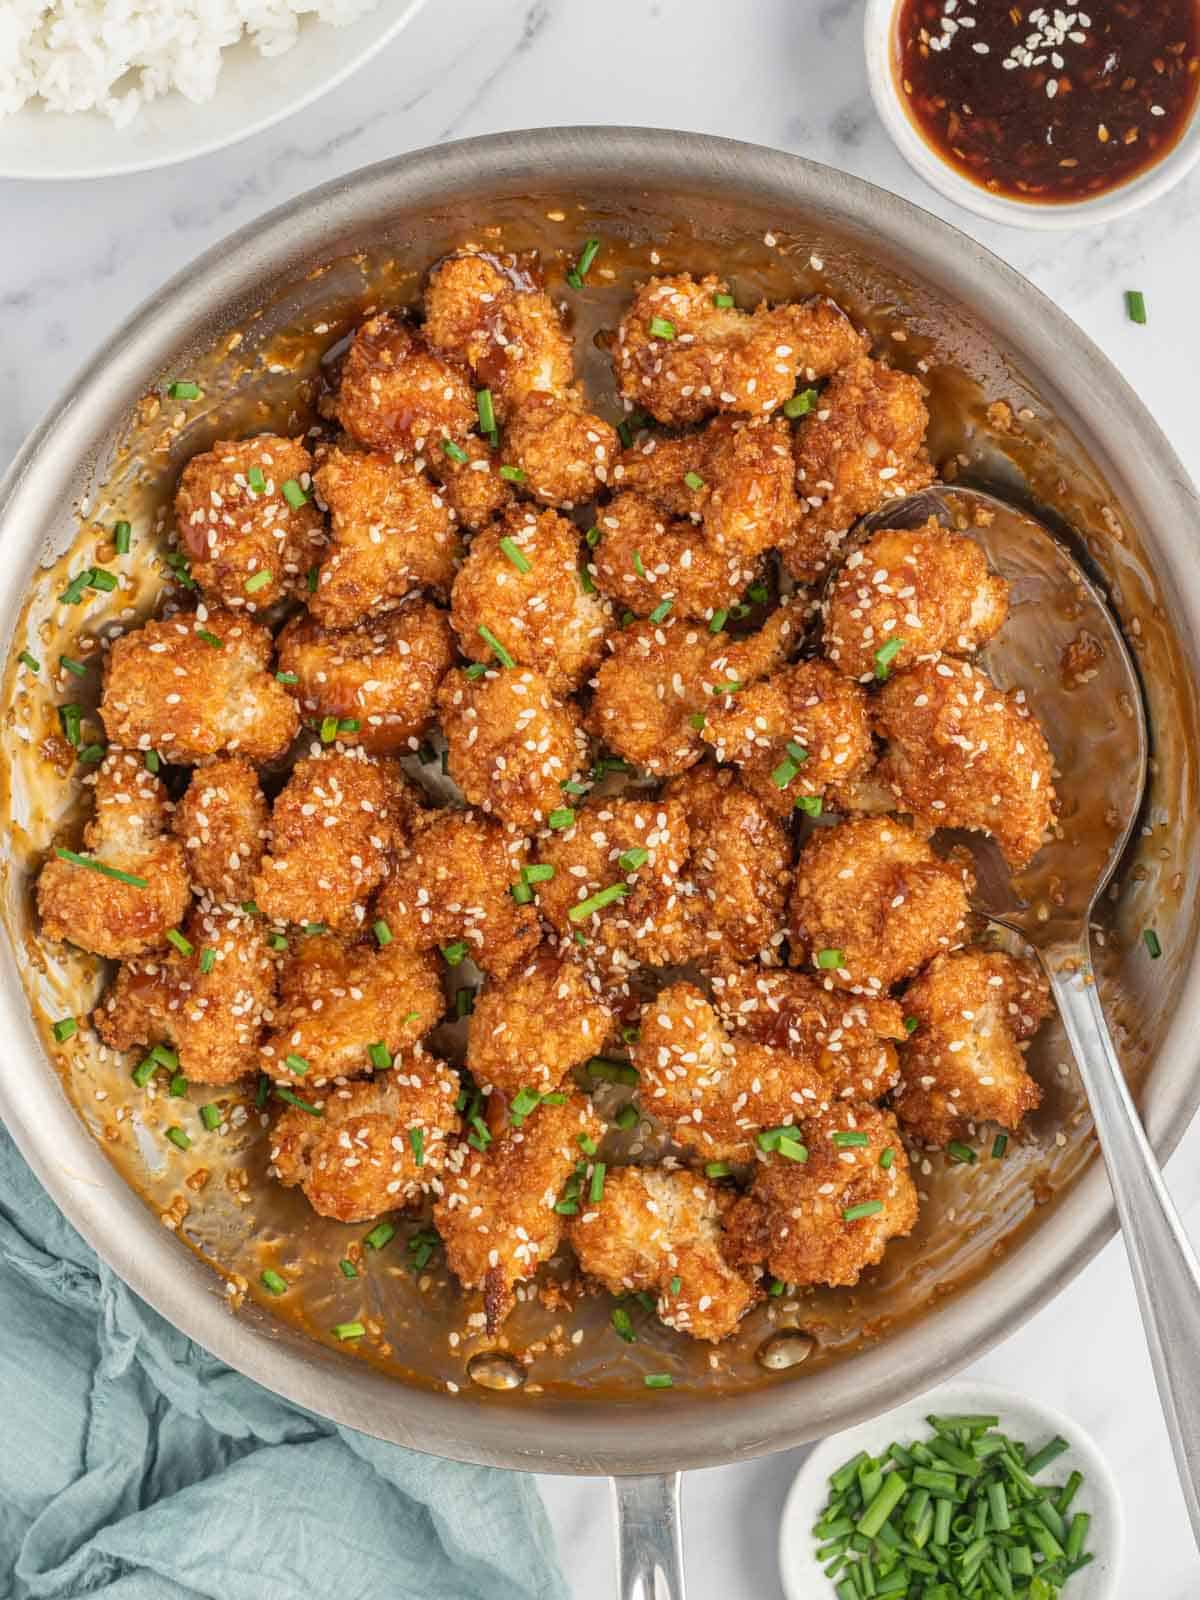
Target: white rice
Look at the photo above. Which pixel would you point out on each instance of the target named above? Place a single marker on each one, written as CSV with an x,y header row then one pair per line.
x,y
115,55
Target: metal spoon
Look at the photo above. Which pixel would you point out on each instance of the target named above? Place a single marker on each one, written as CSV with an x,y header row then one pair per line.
x,y
1097,732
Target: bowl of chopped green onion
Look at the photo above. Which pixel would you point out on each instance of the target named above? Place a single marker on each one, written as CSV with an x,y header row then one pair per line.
x,y
967,1492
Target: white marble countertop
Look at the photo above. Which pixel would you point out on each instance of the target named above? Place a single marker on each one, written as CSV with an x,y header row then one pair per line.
x,y
787,73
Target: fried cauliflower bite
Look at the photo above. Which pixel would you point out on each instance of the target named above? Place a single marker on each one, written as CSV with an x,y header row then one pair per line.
x,y
871,903
826,1219
473,488
643,560
376,1146
169,687
212,1018
565,452
964,754
127,832
337,1000
334,827
864,445
235,522
492,312
929,589
511,744
391,533
660,682
453,881
793,734
496,1216
397,395
521,581
712,1092
222,822
383,674
661,1232
531,1027
680,356
735,476
642,846
847,1038
740,864
963,1064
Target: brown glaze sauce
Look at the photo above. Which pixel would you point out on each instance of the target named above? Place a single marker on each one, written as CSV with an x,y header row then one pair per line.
x,y
1046,102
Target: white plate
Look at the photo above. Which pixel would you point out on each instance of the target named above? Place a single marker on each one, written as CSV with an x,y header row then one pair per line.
x,y
803,1577
253,91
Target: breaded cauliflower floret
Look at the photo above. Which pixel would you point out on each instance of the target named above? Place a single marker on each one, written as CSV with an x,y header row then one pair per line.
x,y
565,453
473,488
825,1219
872,903
128,832
521,581
337,1000
222,821
644,560
383,674
493,313
681,356
740,865
963,754
453,881
169,687
712,1092
641,847
511,744
334,827
392,533
530,1028
928,590
847,1038
235,522
497,1216
661,1232
793,734
736,476
862,446
963,1064
376,1146
210,1005
660,682
397,395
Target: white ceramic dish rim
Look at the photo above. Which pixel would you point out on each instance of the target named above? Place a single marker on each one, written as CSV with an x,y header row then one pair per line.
x,y
11,167
1131,196
802,1575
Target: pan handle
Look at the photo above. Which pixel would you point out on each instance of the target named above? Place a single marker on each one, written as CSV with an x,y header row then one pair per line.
x,y
649,1542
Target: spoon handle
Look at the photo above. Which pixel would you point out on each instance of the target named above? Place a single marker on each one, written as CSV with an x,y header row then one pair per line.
x,y
1166,1273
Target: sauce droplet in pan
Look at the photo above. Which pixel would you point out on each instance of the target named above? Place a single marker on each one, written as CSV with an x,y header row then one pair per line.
x,y
787,1348
492,1369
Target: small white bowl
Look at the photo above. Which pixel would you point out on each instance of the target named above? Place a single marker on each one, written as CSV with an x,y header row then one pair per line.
x,y
253,92
879,39
803,1576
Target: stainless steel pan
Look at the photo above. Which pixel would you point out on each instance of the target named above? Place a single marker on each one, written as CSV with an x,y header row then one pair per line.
x,y
1083,448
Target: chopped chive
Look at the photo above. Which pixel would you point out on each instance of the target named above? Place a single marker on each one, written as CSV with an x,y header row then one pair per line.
x,y
77,860
256,480
382,932
310,928
624,1327
29,661
75,590
596,1186
731,687
792,1150
525,1101
296,1064
723,302
639,565
273,1281
99,579
661,611
494,645
261,1090
886,1159
348,1330
179,1139
455,452
1135,305
164,1057
693,480
347,1268
486,410
277,941
475,670
122,537
658,1380
884,657
717,1169
759,593
800,404
464,1002
605,1070
777,1286
379,1055
867,1208
311,580
784,773
178,1086
586,582
65,1028
210,1116
810,804
70,718
291,1099
597,902
379,1235
660,328
849,1139
538,873
512,474
769,1138
152,761
210,638
697,720
453,954
563,817
587,255
1048,1453
91,753
69,664
1152,944
329,729
256,581
627,1117
184,389
144,1071
181,567
999,1146
960,1152
521,893
593,537
184,946
293,494
516,555
911,1024
831,960
631,860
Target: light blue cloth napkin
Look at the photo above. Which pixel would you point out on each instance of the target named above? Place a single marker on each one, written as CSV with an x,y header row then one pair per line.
x,y
135,1466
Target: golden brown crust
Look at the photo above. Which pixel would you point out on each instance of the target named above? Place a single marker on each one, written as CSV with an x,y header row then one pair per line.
x,y
213,1019
644,560
962,1065
566,453
473,489
542,616
531,1027
359,1158
233,520
383,674
511,744
793,1219
391,533
399,396
662,1232
872,893
127,832
963,754
222,821
168,687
